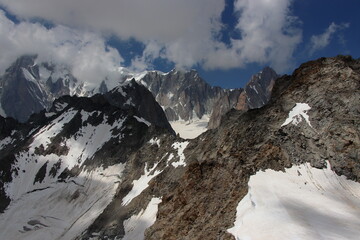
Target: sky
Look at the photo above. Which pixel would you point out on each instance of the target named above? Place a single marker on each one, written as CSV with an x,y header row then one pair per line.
x,y
225,40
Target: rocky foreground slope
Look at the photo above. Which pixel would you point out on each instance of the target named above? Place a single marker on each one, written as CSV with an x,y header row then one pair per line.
x,y
97,170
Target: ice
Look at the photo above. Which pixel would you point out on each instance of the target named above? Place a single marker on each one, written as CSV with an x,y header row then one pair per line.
x,y
301,203
136,225
63,210
141,184
297,114
190,129
140,119
180,147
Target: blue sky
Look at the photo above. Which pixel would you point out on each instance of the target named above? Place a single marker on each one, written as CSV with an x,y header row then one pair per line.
x,y
226,41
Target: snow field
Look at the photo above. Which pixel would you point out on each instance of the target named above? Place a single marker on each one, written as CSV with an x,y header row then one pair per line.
x,y
63,210
301,203
190,129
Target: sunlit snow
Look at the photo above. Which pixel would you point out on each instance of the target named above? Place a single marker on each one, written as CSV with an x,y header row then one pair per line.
x,y
141,184
297,114
180,147
155,141
136,225
301,203
81,146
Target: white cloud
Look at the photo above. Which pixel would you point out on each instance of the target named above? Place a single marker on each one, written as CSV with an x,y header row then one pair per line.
x,y
321,41
85,52
181,31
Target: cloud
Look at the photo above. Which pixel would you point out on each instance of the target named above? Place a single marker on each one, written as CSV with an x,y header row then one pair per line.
x,y
83,51
321,41
184,32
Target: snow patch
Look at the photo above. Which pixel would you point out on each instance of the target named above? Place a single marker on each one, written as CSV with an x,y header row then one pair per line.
x,y
180,147
141,184
301,203
297,114
136,225
6,141
64,209
155,141
140,119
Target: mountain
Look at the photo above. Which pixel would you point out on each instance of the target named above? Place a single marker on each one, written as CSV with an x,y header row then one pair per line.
x,y
257,91
63,167
188,101
190,104
28,88
92,168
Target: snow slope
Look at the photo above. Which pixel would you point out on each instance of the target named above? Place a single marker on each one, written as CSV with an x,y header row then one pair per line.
x,y
141,184
136,225
83,145
63,210
301,203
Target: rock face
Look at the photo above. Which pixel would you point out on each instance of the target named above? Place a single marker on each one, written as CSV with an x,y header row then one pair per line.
x,y
256,94
185,95
112,172
28,88
258,90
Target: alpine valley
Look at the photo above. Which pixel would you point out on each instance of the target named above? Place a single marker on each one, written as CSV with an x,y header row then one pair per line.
x,y
166,156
